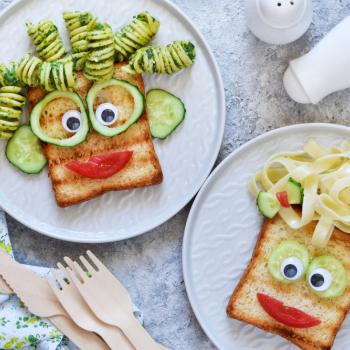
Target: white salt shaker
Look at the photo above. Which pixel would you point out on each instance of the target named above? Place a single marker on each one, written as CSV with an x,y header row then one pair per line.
x,y
278,21
325,69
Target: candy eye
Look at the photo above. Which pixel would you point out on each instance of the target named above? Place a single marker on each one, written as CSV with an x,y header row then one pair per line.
x,y
288,262
320,280
107,113
71,121
327,277
292,268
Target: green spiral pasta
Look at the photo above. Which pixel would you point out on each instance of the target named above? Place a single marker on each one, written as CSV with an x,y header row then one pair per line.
x,y
28,70
57,75
79,24
8,75
47,40
99,63
135,35
169,59
11,107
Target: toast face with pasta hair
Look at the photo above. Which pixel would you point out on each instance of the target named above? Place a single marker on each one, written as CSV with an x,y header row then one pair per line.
x,y
143,169
244,305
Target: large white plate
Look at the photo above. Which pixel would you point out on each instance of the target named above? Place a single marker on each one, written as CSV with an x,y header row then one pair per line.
x,y
186,157
221,232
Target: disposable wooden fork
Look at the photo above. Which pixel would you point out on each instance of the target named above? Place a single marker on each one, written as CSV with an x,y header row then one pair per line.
x,y
81,314
109,300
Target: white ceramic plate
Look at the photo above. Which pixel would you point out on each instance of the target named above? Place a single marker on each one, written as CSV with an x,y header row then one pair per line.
x,y
186,157
221,232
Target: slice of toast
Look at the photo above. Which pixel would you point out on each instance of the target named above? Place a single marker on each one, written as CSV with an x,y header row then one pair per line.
x,y
244,305
142,170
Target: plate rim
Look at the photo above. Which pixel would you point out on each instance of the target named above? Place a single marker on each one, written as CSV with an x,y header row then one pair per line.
x,y
221,127
198,201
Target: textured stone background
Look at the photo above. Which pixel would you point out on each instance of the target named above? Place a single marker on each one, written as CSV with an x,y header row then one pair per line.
x,y
150,265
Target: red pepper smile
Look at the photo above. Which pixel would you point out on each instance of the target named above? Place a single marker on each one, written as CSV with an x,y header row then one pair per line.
x,y
286,315
101,167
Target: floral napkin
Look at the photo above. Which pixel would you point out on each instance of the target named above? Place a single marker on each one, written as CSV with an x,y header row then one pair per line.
x,y
19,329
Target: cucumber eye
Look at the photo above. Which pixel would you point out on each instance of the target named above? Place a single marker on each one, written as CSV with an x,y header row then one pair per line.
x,y
71,121
327,277
288,262
292,268
107,114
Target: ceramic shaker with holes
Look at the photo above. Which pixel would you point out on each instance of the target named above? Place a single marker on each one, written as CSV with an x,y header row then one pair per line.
x,y
278,21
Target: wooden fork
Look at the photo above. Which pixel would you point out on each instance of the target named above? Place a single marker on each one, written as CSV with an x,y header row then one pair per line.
x,y
80,313
109,300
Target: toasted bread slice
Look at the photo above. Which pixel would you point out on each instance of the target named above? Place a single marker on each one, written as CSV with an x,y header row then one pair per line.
x,y
142,170
244,305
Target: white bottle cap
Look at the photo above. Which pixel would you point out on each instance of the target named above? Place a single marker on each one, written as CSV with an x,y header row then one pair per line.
x,y
278,21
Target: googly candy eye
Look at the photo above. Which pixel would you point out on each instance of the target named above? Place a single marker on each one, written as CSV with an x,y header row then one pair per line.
x,y
288,262
71,121
327,277
292,268
107,114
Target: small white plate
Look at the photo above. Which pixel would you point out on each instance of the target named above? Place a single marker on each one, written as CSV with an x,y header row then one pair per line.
x,y
186,157
221,232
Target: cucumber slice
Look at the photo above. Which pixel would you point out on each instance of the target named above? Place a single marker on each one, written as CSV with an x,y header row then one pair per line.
x,y
24,151
165,112
327,277
268,204
288,252
295,191
74,140
139,107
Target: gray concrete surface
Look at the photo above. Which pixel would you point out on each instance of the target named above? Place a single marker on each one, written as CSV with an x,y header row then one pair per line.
x,y
150,265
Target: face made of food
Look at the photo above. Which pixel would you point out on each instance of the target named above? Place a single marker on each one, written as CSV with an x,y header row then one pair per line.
x,y
299,284
106,109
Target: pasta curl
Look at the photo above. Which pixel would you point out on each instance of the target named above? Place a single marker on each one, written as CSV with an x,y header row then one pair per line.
x,y
58,75
47,40
169,59
135,35
99,64
79,24
11,108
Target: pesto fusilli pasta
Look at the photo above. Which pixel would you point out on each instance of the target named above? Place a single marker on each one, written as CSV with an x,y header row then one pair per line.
x,y
169,59
47,40
135,35
8,75
28,70
99,64
58,75
11,107
79,24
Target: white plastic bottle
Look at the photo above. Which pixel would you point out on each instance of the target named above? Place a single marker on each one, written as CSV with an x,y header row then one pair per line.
x,y
324,70
278,21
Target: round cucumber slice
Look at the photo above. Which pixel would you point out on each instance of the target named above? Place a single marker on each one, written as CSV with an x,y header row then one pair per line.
x,y
327,277
268,204
165,112
288,253
35,116
24,151
139,107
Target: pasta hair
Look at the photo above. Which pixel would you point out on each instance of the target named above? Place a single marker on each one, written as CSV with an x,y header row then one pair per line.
x,y
169,59
47,40
135,35
99,63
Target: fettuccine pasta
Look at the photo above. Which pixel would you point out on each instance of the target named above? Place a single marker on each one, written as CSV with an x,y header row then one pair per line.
x,y
324,175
